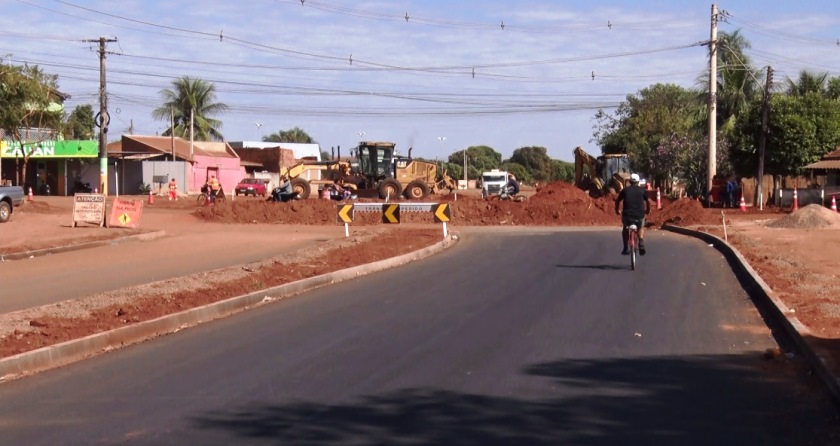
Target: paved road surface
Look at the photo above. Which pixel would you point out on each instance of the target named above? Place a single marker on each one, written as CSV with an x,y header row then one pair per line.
x,y
539,339
34,282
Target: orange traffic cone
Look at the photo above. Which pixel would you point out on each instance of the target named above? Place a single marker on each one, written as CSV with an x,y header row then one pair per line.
x,y
743,204
30,194
658,199
151,197
833,204
795,201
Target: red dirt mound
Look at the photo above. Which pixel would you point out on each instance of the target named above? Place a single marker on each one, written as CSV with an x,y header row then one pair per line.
x,y
555,204
686,212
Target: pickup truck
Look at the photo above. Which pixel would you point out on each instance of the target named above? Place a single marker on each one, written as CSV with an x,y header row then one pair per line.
x,y
10,196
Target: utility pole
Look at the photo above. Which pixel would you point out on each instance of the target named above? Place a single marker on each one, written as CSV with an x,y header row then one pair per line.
x,y
762,138
102,118
712,171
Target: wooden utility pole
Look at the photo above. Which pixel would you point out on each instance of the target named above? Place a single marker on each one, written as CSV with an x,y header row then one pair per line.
x,y
102,118
762,138
712,104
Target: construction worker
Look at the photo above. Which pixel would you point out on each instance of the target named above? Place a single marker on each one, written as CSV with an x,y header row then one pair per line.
x,y
173,190
636,206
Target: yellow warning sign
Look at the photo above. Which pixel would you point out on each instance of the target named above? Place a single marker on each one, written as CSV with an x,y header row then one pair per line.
x,y
390,213
125,219
442,213
345,213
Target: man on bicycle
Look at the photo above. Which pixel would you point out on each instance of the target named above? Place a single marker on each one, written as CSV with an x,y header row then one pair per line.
x,y
213,187
636,206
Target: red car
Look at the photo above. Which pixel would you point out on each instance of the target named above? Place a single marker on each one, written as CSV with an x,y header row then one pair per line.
x,y
251,186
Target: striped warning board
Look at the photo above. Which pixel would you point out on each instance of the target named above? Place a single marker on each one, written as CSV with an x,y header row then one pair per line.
x,y
390,213
345,213
442,212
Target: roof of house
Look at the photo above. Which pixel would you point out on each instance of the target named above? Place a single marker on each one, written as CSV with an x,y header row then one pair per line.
x,y
832,155
825,164
137,146
300,150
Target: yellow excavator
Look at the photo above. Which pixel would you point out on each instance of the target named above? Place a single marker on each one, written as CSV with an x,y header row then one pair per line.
x,y
603,175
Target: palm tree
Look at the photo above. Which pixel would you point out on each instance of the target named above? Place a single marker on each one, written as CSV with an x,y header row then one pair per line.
x,y
737,79
191,95
295,135
807,83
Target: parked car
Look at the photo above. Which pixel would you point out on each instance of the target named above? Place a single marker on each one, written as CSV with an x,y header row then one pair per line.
x,y
251,186
10,197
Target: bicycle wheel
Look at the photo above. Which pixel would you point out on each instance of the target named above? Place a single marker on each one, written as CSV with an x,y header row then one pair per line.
x,y
202,199
633,249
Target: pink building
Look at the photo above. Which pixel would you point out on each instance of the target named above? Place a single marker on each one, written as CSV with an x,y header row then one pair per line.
x,y
155,159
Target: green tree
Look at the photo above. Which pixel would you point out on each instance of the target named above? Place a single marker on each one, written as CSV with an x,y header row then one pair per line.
x,y
479,159
80,123
807,82
191,96
536,161
562,171
523,175
737,81
645,119
800,131
295,135
29,100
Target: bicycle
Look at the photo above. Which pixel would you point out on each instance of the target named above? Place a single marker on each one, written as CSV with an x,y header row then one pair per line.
x,y
633,244
205,198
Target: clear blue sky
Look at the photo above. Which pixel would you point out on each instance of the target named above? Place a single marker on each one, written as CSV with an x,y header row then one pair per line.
x,y
450,70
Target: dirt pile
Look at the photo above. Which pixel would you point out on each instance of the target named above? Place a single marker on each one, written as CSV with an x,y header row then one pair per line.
x,y
812,216
556,204
686,212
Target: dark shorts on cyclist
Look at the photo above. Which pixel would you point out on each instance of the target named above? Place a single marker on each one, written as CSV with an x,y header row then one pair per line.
x,y
627,221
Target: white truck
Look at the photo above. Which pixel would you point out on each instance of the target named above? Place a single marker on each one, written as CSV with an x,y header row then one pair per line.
x,y
492,182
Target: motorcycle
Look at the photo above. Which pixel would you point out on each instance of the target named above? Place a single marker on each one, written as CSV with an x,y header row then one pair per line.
x,y
504,194
282,195
81,188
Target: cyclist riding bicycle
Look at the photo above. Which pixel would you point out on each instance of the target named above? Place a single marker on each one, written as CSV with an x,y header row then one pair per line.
x,y
511,188
213,187
636,206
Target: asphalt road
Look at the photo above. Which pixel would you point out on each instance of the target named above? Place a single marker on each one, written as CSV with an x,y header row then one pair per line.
x,y
539,339
32,282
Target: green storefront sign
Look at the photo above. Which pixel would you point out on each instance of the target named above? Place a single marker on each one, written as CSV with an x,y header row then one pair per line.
x,y
51,149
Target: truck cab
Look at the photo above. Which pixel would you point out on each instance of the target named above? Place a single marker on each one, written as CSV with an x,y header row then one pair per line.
x,y
492,182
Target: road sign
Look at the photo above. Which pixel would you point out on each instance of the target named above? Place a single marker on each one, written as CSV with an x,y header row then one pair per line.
x,y
345,213
89,208
126,213
390,213
442,213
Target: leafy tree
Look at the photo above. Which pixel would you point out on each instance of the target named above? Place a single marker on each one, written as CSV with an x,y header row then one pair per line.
x,y
686,156
645,119
737,81
27,101
523,175
563,171
832,91
800,131
807,82
80,123
191,96
479,159
536,161
295,135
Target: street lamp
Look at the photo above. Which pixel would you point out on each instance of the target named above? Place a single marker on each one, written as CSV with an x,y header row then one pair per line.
x,y
361,135
258,124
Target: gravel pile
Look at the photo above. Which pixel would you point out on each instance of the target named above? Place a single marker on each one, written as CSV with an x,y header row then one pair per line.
x,y
812,216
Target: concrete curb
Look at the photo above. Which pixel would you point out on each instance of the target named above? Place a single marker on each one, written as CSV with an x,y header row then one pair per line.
x,y
67,248
784,315
71,351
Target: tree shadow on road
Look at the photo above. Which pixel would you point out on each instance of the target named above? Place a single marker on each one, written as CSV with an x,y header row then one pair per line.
x,y
698,400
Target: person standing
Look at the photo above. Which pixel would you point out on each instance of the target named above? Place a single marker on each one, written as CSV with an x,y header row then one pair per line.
x,y
173,190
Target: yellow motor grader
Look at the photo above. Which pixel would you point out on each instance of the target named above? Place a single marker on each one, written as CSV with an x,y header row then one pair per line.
x,y
375,167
